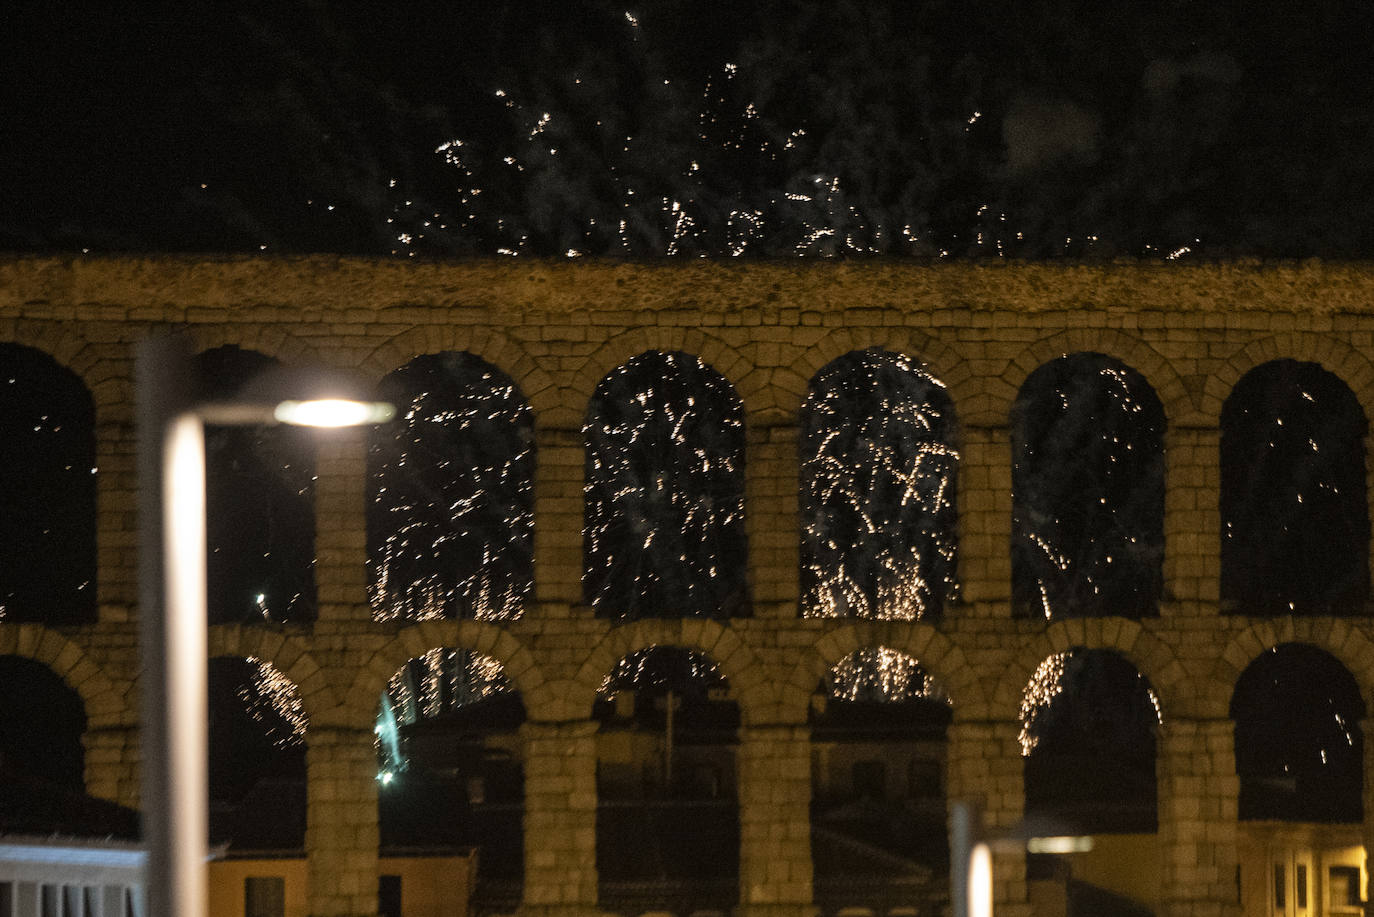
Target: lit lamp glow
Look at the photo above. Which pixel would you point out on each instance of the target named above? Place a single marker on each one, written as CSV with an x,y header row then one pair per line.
x,y
980,881
332,412
172,588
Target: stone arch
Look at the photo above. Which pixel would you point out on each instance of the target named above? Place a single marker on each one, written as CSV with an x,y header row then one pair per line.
x,y
105,370
275,341
937,654
937,357
107,704
750,685
289,654
752,386
359,704
1333,355
498,349
1347,644
1158,372
1152,658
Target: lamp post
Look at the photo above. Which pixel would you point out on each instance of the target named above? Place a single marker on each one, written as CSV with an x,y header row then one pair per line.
x,y
972,845
172,588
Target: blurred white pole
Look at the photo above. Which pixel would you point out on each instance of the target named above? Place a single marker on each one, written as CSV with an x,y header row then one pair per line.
x,y
961,830
187,689
173,631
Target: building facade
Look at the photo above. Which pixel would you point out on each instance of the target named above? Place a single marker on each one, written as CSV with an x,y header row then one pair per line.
x,y
556,329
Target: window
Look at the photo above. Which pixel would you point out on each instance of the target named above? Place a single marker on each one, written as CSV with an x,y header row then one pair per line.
x,y
923,779
264,896
388,896
870,779
1343,886
1280,887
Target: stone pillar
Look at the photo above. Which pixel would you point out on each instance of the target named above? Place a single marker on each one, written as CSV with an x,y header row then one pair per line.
x,y
340,525
116,535
985,518
775,822
560,457
984,767
341,822
1192,519
560,819
1198,795
112,764
771,516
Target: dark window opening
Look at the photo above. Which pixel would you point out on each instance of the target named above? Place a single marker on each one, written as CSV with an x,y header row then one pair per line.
x,y
257,757
40,739
924,780
260,505
663,532
47,475
878,489
1294,524
878,742
449,771
1298,742
264,896
1087,437
870,780
667,806
388,896
451,494
1089,723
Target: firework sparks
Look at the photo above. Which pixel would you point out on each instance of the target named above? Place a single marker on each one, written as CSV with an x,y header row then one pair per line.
x,y
1096,673
440,681
1088,490
450,521
878,490
273,700
664,526
883,674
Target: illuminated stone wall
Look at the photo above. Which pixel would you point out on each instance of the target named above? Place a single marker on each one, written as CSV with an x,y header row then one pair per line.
x,y
556,329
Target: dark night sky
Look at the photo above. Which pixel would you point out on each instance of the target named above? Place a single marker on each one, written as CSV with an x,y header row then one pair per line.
x,y
970,129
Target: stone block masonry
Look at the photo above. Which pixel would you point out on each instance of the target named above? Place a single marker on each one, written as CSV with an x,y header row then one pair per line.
x,y
556,328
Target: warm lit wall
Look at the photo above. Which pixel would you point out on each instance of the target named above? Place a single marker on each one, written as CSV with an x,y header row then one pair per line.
x,y
225,884
432,886
1128,864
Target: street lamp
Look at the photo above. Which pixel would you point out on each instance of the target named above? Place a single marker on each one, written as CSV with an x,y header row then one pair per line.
x,y
972,845
172,586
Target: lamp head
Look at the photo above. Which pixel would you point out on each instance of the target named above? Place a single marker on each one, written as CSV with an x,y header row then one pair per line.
x,y
301,396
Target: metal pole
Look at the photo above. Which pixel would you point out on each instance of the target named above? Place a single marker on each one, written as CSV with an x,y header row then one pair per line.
x,y
171,466
961,830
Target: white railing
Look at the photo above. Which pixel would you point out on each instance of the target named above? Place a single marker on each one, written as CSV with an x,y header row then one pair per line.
x,y
65,878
